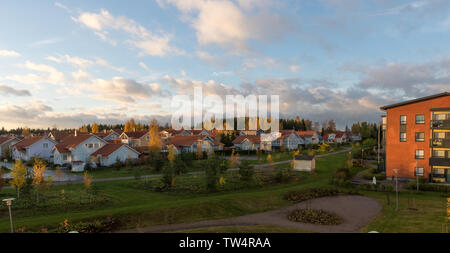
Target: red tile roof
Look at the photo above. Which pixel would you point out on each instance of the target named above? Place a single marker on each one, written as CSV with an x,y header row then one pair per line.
x,y
306,133
28,141
252,138
71,141
59,135
340,134
189,140
109,148
4,139
136,134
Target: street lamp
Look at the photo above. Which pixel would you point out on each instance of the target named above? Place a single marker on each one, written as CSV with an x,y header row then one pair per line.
x,y
396,189
9,203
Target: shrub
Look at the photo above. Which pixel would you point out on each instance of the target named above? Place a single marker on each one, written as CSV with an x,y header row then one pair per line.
x,y
212,171
341,176
370,173
283,175
428,187
312,216
246,171
168,175
108,225
312,193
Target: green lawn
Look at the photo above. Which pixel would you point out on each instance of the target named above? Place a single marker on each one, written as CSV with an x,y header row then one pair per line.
x,y
135,207
138,207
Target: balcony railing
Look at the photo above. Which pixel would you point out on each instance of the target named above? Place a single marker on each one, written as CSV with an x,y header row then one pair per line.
x,y
440,124
440,143
439,161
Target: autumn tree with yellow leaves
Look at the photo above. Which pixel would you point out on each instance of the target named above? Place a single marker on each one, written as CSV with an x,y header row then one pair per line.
x,y
94,128
155,139
18,174
38,176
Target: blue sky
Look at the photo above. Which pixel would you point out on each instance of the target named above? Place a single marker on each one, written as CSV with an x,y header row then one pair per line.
x,y
68,63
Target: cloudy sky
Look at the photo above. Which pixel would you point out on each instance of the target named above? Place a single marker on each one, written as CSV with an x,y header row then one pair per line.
x,y
69,63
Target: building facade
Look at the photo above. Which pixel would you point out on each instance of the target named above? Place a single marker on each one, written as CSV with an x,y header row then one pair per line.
x,y
417,138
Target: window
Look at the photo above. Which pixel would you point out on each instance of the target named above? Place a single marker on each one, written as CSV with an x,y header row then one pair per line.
x,y
97,145
420,119
45,145
439,153
402,137
403,120
420,154
418,172
420,137
64,157
90,145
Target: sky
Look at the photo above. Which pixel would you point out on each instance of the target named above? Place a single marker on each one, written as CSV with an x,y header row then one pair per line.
x,y
68,63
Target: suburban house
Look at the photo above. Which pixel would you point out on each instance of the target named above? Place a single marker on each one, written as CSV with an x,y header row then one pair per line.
x,y
58,135
354,137
417,138
304,163
251,142
136,139
310,137
189,143
108,135
251,132
33,146
328,138
341,137
76,150
288,139
113,152
7,142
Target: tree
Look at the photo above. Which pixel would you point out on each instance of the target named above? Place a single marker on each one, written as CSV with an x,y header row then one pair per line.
x,y
94,128
6,154
171,156
168,178
26,132
212,171
84,129
246,171
18,174
199,151
38,176
155,139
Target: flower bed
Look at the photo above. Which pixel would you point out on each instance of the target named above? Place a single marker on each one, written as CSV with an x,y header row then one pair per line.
x,y
312,216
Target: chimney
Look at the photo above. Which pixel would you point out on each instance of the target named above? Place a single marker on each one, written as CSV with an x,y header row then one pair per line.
x,y
104,131
75,132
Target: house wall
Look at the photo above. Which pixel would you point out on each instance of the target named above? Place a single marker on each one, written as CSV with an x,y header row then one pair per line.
x,y
304,165
123,153
6,144
82,152
112,136
292,142
247,145
36,150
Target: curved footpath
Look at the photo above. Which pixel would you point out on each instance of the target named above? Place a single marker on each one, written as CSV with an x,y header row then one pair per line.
x,y
356,212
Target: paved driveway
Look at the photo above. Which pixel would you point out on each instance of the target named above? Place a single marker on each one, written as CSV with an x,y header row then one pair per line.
x,y
356,212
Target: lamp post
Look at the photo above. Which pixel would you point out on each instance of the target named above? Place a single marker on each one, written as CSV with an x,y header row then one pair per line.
x,y
396,189
9,203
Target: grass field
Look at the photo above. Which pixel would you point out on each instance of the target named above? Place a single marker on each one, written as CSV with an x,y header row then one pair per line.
x,y
139,207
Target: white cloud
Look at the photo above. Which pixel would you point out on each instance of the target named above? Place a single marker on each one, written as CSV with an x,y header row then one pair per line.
x,y
47,74
9,53
76,61
143,39
295,68
144,66
225,24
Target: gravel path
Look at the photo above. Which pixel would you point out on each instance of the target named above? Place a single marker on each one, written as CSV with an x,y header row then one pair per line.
x,y
356,211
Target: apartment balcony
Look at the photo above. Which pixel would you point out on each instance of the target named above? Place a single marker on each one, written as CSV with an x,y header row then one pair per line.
x,y
440,143
439,161
440,124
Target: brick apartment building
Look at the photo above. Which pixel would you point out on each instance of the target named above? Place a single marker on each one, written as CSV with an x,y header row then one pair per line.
x,y
416,138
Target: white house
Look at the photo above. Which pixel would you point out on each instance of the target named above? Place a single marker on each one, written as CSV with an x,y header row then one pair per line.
x,y
76,150
341,137
111,153
288,139
329,138
33,146
250,142
189,143
354,136
7,142
108,135
310,137
136,138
